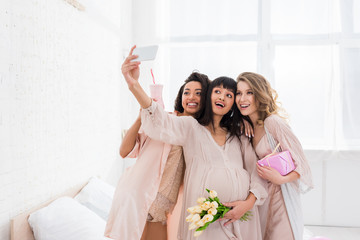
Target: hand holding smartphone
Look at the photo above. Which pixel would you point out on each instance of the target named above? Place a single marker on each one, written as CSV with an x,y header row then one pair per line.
x,y
145,53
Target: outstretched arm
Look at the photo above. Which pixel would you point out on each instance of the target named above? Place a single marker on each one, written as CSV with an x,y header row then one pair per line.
x,y
131,71
156,123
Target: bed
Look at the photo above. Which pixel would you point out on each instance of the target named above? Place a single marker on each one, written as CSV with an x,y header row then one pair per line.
x,y
79,213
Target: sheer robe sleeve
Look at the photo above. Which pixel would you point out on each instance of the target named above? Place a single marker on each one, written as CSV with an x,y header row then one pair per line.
x,y
168,128
257,184
283,134
140,141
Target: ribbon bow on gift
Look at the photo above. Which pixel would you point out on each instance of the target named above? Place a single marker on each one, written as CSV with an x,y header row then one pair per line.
x,y
274,152
269,155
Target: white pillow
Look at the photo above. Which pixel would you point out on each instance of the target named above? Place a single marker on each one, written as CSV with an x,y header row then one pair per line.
x,y
67,219
97,195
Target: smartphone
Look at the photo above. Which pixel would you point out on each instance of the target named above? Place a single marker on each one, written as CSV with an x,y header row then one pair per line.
x,y
145,53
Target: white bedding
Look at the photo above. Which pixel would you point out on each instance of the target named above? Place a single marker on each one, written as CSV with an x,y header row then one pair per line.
x,y
70,219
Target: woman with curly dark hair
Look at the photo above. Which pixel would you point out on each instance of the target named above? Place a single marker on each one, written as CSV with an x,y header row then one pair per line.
x,y
147,193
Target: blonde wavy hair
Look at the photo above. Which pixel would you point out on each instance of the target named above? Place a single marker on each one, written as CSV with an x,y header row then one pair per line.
x,y
265,96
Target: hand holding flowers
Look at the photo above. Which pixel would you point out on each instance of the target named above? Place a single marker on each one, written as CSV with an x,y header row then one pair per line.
x,y
238,211
211,209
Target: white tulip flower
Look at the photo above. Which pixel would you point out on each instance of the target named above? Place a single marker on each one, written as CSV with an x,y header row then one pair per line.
x,y
200,223
214,204
205,206
192,226
213,194
212,211
201,200
208,218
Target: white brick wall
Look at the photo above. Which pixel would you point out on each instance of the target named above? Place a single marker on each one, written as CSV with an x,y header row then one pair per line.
x,y
61,107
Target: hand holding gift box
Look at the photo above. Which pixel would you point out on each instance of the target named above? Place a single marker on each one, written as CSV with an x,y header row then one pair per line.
x,y
280,161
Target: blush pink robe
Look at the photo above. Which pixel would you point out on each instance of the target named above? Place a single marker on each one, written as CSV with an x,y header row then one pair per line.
x,y
136,191
273,213
230,170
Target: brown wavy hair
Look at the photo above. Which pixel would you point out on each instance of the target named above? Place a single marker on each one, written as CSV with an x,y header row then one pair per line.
x,y
265,95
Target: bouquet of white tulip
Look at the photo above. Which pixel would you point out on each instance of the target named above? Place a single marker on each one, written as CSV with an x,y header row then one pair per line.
x,y
207,211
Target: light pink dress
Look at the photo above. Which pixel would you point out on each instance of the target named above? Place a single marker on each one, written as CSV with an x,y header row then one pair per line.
x,y
137,190
230,170
275,220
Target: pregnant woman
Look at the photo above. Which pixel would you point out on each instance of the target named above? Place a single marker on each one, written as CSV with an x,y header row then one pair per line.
x,y
216,156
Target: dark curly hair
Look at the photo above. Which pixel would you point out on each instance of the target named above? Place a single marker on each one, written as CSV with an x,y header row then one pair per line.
x,y
194,77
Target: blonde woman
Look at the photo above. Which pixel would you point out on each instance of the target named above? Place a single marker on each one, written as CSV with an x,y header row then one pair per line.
x,y
281,215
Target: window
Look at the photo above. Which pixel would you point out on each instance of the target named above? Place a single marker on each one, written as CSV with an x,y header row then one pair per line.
x,y
308,50
350,95
303,81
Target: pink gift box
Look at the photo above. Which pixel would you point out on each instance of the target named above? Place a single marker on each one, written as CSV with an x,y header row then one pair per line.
x,y
282,162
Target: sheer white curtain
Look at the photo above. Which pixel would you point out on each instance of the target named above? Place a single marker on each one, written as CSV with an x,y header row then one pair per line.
x,y
309,50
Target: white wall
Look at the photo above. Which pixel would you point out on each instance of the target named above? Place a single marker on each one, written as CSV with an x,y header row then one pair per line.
x,y
334,201
61,101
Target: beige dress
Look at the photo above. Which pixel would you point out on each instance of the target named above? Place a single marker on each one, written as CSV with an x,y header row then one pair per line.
x,y
230,170
169,186
164,203
274,217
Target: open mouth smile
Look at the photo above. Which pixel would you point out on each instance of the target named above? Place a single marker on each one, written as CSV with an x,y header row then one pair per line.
x,y
220,104
192,104
244,106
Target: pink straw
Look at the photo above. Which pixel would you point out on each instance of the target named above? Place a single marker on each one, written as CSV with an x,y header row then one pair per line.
x,y
152,75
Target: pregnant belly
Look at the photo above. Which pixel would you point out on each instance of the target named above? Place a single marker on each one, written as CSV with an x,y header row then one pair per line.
x,y
231,185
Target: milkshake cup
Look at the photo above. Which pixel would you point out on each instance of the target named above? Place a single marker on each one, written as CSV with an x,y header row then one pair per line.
x,y
156,93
